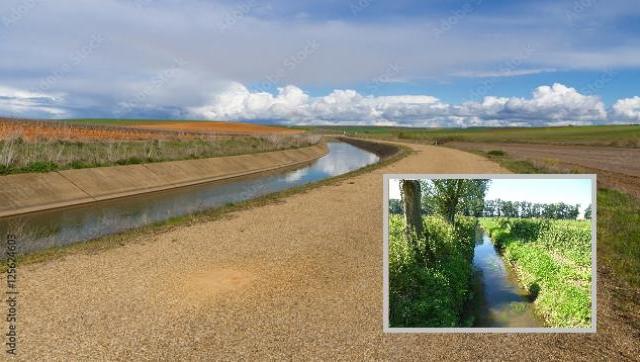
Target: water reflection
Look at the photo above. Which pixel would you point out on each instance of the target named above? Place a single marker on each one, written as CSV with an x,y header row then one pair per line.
x,y
58,227
501,303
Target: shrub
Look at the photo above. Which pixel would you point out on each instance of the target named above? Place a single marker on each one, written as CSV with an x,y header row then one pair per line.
x,y
434,293
496,153
40,166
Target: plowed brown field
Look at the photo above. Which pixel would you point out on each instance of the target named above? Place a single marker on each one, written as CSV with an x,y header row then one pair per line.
x,y
31,130
617,167
53,130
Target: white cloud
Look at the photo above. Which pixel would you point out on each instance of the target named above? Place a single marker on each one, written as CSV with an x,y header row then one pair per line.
x,y
556,104
24,103
628,109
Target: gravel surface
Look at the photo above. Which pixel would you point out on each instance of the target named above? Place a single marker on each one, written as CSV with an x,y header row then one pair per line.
x,y
298,279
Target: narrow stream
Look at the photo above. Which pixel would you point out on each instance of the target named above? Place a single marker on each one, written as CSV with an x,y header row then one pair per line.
x,y
58,227
500,301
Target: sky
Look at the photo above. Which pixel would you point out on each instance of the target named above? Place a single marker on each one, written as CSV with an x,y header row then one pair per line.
x,y
569,191
439,63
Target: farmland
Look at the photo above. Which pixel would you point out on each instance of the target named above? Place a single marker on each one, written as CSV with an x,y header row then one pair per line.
x,y
613,136
614,165
608,151
42,146
216,127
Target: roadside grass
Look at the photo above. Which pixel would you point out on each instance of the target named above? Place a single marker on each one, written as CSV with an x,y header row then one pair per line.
x,y
617,135
433,292
553,261
619,234
20,156
144,233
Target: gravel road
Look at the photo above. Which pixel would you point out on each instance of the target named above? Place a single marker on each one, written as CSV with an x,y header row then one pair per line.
x,y
297,279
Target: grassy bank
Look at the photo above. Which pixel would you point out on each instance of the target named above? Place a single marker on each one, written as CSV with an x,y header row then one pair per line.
x,y
431,293
18,155
553,261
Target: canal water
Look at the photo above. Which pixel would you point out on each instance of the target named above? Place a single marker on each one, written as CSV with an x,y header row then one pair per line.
x,y
58,227
500,301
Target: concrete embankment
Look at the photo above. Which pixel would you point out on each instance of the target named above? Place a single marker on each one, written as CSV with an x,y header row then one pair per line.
x,y
25,193
383,149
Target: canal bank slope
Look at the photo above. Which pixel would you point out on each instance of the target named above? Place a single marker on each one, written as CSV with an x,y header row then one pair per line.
x,y
300,278
24,193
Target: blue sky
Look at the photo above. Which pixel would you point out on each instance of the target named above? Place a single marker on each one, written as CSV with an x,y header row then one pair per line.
x,y
445,63
569,191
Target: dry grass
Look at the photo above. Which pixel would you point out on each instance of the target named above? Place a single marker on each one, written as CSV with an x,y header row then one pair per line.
x,y
32,146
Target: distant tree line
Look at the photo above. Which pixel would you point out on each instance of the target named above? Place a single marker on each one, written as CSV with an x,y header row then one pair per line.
x,y
525,209
395,206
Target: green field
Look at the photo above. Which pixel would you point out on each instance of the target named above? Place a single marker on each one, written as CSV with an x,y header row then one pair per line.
x,y
553,261
620,136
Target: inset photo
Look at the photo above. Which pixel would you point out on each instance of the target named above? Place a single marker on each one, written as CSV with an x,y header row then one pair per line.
x,y
490,253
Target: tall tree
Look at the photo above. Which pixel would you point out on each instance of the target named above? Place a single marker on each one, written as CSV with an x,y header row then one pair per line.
x,y
410,192
587,212
451,197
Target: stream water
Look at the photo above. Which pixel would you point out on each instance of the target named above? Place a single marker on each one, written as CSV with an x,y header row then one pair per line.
x,y
57,227
500,301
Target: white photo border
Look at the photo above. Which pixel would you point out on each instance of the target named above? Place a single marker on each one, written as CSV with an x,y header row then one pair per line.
x,y
385,231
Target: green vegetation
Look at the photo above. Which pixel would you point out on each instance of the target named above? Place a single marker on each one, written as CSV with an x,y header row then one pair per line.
x,y
430,258
553,261
620,136
432,294
496,153
19,156
619,234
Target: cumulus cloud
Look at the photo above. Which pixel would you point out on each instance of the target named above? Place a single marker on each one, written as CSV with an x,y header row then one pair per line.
x,y
627,109
549,105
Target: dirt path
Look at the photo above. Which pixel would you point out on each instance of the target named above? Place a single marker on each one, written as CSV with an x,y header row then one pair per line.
x,y
301,278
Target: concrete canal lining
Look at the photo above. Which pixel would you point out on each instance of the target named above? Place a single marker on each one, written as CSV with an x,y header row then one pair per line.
x,y
31,192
